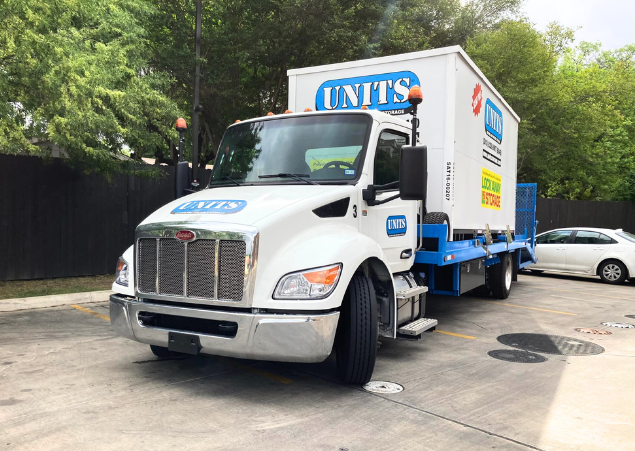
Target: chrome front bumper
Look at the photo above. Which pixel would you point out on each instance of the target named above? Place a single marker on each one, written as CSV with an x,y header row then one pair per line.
x,y
277,337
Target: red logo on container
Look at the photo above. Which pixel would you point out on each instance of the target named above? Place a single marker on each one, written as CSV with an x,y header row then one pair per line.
x,y
185,235
477,99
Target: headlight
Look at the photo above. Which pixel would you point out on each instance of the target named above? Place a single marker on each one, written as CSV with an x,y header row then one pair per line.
x,y
121,275
313,283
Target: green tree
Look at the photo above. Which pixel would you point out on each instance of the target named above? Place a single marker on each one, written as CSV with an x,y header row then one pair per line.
x,y
76,73
575,105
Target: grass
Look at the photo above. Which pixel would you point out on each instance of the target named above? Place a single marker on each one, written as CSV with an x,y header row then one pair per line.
x,y
45,287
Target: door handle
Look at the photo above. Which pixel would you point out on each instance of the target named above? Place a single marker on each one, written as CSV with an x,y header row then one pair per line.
x,y
406,253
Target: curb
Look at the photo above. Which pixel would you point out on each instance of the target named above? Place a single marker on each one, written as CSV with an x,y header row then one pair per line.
x,y
37,302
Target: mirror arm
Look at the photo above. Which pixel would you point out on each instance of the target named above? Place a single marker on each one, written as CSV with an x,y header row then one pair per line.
x,y
370,194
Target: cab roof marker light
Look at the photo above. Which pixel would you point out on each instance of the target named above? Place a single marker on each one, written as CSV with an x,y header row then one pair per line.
x,y
237,121
288,111
364,107
269,113
306,110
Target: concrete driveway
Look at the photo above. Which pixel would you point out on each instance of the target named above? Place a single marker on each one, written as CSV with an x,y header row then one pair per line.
x,y
67,383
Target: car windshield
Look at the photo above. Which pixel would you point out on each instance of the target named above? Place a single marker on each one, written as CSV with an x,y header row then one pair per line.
x,y
627,235
310,149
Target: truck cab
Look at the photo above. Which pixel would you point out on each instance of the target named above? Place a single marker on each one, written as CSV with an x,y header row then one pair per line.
x,y
281,254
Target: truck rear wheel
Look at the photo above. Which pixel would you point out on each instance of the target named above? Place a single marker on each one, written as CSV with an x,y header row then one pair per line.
x,y
500,277
356,340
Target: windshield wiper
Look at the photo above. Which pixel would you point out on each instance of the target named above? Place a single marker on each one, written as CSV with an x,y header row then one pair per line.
x,y
225,177
286,175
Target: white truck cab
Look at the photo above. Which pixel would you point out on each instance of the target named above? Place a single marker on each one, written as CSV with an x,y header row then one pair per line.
x,y
302,243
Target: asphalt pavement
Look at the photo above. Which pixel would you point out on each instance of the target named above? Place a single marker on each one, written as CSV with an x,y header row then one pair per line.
x,y
68,383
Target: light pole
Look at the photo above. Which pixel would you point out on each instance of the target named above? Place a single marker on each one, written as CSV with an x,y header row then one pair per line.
x,y
197,107
182,168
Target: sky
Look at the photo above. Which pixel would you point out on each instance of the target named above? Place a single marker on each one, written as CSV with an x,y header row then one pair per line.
x,y
611,22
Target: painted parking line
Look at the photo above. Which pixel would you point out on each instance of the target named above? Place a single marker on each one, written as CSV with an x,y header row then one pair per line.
x,y
528,308
91,312
469,337
584,293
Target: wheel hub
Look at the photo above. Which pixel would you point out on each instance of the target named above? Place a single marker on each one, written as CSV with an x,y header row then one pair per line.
x,y
612,272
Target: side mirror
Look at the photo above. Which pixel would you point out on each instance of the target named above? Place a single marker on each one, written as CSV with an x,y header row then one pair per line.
x,y
413,173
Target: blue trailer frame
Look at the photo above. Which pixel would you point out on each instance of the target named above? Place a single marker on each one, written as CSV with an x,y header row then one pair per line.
x,y
453,253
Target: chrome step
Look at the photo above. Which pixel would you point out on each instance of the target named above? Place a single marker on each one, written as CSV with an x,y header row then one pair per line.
x,y
419,326
410,292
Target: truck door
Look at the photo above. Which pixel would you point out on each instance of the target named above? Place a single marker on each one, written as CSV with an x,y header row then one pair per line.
x,y
393,224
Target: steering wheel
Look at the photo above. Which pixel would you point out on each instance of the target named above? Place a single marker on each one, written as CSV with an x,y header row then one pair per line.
x,y
337,163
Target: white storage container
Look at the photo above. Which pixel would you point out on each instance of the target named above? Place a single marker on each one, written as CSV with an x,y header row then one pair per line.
x,y
470,131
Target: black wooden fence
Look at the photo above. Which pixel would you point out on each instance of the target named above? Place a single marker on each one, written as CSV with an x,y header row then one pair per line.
x,y
58,222
557,213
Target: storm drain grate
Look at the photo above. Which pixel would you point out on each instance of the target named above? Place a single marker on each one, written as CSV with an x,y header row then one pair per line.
x,y
619,325
550,344
513,355
382,387
586,330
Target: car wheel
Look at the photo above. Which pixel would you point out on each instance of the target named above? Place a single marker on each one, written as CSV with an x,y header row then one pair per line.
x,y
613,272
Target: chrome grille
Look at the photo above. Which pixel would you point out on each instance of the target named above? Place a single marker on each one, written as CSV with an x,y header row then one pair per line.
x,y
147,263
171,267
202,269
232,262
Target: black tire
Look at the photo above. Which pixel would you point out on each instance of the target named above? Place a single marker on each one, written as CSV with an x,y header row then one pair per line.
x,y
162,352
613,272
500,277
356,339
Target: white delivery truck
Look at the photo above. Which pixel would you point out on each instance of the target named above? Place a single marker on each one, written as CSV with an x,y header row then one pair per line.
x,y
323,229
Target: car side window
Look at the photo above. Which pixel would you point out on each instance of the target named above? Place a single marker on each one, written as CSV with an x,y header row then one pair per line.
x,y
587,237
557,237
387,157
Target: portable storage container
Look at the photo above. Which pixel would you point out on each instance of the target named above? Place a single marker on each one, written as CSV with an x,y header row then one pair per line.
x,y
470,131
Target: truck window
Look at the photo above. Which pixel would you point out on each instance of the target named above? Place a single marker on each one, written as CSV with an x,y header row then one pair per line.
x,y
387,157
317,147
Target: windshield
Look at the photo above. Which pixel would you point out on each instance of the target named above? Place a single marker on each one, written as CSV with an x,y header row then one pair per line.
x,y
629,236
315,148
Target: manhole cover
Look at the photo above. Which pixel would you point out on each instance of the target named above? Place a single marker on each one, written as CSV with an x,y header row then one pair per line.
x,y
512,355
620,325
550,344
382,387
586,330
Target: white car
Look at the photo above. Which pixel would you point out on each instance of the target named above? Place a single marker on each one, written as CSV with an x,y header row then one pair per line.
x,y
607,253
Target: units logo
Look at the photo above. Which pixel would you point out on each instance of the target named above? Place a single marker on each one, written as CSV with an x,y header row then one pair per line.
x,y
210,207
384,92
490,190
493,121
477,99
396,225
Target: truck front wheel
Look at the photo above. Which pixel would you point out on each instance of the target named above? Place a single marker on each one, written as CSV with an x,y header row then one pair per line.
x,y
500,277
356,339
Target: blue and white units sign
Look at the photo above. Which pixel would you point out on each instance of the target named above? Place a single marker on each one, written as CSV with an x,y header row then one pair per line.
x,y
493,121
221,207
396,225
384,92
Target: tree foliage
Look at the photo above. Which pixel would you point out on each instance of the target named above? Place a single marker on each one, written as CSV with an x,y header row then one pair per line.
x,y
76,73
576,107
98,76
